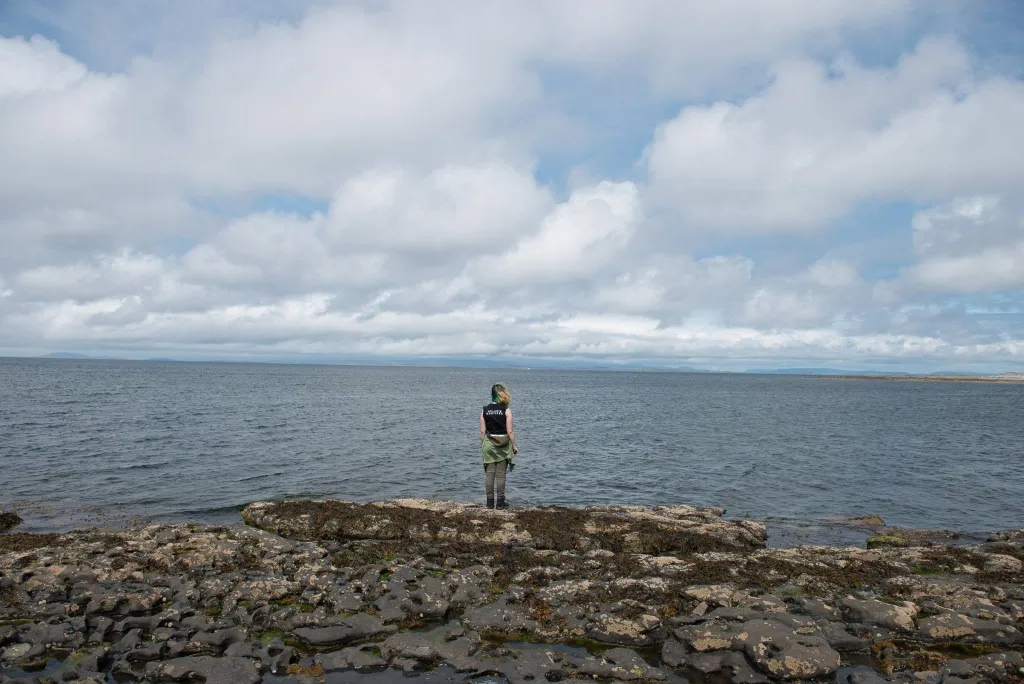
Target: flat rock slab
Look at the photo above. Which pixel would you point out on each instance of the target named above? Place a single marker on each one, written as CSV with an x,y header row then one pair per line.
x,y
206,668
775,649
353,628
630,529
531,665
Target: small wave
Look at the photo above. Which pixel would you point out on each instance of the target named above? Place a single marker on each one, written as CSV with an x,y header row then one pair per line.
x,y
145,466
260,477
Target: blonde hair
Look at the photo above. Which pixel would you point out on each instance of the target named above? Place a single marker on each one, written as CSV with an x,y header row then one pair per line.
x,y
500,394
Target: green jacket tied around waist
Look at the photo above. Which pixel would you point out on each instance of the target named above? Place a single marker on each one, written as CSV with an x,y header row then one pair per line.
x,y
492,453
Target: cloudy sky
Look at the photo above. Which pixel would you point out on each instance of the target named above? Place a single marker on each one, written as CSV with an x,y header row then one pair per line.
x,y
720,183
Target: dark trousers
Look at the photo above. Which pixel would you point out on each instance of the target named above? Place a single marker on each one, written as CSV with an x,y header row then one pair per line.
x,y
495,476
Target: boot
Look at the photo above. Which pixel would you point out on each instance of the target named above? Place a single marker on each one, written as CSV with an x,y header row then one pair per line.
x,y
501,502
490,501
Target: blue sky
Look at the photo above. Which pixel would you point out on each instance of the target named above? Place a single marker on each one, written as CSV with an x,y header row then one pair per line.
x,y
714,184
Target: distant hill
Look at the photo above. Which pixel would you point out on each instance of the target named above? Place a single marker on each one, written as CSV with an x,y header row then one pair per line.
x,y
819,371
64,355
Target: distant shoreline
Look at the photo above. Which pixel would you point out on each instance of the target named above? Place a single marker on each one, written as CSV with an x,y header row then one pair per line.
x,y
1017,379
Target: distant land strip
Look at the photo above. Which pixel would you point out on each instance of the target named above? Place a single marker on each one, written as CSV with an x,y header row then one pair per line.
x,y
1004,378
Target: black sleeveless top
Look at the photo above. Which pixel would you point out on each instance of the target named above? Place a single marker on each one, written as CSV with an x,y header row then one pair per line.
x,y
494,419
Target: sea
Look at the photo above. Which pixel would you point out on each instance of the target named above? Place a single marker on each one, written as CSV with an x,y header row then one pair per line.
x,y
97,443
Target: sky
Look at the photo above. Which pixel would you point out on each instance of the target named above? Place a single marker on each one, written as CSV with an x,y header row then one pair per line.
x,y
720,184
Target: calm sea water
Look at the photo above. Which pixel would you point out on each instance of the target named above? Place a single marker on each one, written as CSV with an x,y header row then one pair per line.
x,y
95,442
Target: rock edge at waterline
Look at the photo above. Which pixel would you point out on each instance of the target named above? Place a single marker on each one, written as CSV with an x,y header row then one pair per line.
x,y
164,603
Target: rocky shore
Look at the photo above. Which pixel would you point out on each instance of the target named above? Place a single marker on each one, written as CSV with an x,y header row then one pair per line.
x,y
314,591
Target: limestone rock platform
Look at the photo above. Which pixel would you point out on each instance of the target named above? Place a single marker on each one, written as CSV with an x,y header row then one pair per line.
x,y
619,529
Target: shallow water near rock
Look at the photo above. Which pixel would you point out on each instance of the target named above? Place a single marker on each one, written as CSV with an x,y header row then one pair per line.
x,y
103,442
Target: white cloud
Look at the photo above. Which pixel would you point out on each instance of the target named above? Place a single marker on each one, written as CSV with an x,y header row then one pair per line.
x,y
107,276
479,207
823,137
688,47
35,65
576,240
969,245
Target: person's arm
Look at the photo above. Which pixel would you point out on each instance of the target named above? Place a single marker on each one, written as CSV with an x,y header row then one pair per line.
x,y
508,429
483,427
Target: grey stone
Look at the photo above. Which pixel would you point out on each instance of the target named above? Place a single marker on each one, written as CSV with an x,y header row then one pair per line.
x,y
175,648
122,671
781,653
452,641
841,640
763,607
956,627
80,675
872,612
673,653
353,628
407,665
16,651
211,670
90,661
520,666
129,641
144,654
220,639
866,677
430,600
614,628
241,649
817,608
346,601
146,624
42,633
358,658
997,666
710,636
619,663
200,623
775,649
500,617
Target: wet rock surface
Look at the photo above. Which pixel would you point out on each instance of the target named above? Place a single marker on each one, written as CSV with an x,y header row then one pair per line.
x,y
186,603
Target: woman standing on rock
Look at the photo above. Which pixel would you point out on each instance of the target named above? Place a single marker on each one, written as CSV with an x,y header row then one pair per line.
x,y
498,443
